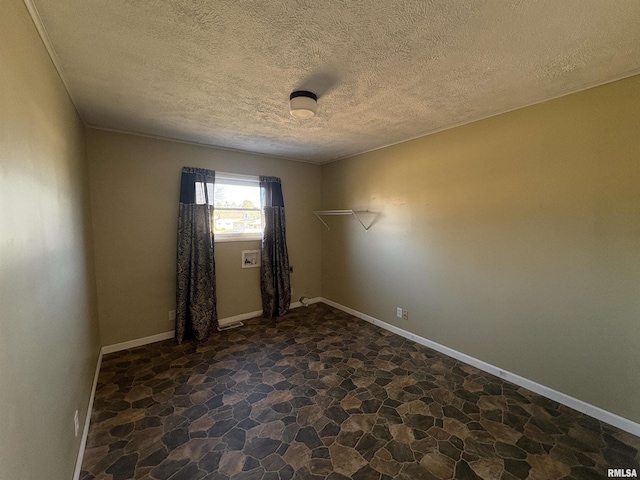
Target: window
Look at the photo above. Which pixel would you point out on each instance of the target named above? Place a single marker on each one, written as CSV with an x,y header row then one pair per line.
x,y
237,213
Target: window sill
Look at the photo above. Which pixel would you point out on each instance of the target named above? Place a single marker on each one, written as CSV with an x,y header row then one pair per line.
x,y
236,238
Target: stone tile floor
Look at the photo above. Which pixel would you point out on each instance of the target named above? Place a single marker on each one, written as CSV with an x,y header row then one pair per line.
x,y
319,394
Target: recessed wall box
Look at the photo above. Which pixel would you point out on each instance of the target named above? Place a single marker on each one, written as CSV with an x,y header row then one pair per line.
x,y
250,258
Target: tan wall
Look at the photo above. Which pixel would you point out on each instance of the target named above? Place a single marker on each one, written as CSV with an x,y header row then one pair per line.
x,y
515,239
49,339
135,183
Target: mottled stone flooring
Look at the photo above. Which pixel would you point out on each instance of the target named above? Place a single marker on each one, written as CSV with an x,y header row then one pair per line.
x,y
319,394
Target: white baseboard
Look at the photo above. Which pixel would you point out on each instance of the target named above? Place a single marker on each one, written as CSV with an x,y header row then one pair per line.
x,y
311,300
87,421
258,313
138,342
579,405
239,318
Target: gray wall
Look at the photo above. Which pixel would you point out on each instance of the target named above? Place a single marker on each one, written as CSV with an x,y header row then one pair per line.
x,y
49,339
515,240
135,183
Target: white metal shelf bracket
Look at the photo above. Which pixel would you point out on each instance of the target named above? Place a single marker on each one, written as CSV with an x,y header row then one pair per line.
x,y
355,213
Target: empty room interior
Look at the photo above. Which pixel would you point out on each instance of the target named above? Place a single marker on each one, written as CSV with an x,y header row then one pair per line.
x,y
248,240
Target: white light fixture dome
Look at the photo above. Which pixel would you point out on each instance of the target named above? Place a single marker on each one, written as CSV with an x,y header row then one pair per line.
x,y
303,104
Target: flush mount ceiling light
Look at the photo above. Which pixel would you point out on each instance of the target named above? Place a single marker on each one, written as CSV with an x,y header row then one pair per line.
x,y
302,104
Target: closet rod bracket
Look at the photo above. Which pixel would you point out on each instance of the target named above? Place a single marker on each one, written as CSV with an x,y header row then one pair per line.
x,y
321,213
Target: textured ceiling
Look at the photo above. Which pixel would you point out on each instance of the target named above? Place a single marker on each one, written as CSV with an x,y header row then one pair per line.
x,y
220,72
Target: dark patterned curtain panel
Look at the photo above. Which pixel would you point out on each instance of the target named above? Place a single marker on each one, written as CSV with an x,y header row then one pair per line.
x,y
275,284
196,313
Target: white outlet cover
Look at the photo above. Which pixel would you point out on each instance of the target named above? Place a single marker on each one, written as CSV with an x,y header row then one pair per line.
x,y
172,315
399,312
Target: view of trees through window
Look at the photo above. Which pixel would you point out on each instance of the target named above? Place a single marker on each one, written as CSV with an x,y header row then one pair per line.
x,y
237,210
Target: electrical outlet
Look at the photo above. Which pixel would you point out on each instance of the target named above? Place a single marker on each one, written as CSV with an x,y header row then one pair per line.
x,y
172,315
76,422
399,312
405,314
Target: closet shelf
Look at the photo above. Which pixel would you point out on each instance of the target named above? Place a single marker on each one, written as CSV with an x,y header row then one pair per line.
x,y
355,213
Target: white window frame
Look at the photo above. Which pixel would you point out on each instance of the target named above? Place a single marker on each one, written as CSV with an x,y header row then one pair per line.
x,y
225,178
